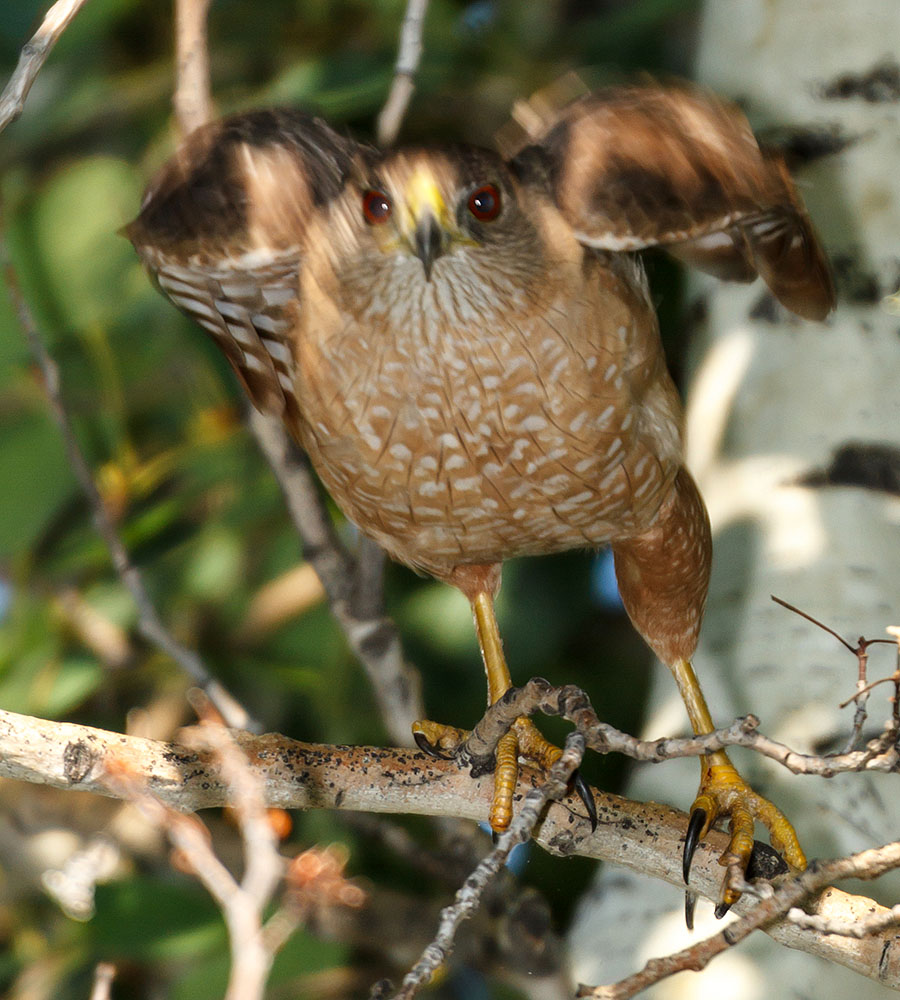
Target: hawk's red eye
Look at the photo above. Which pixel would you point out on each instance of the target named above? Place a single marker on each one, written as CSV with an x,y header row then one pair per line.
x,y
484,203
376,207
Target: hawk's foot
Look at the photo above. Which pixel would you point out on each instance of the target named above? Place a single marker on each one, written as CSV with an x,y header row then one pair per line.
x,y
523,740
723,792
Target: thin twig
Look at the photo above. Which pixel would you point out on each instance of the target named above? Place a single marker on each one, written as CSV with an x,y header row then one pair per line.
x,y
861,652
104,974
242,903
251,958
353,586
867,864
815,621
469,895
409,53
264,866
193,96
33,56
573,704
846,928
149,623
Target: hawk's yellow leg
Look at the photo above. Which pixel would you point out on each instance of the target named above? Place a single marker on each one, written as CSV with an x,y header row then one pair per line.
x,y
524,739
724,792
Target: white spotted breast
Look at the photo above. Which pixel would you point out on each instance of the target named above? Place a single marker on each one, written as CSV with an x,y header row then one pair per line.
x,y
456,423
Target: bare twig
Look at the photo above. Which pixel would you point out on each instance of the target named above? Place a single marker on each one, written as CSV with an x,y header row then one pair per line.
x,y
149,622
243,908
242,904
263,867
314,879
469,895
795,889
409,53
193,97
856,928
573,704
353,585
815,621
861,652
646,837
33,56
104,974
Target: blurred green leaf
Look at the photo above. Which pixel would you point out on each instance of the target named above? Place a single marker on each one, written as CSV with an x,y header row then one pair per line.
x,y
147,919
76,679
35,479
441,616
216,565
88,267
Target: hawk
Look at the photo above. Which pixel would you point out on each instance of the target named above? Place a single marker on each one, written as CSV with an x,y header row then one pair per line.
x,y
466,347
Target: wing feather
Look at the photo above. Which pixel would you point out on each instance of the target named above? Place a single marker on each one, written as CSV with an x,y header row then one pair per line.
x,y
221,230
675,167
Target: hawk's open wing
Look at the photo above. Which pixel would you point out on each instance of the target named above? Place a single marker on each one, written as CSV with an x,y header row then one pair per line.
x,y
221,229
650,166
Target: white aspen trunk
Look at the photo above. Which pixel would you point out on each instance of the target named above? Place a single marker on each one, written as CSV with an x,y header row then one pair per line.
x,y
771,400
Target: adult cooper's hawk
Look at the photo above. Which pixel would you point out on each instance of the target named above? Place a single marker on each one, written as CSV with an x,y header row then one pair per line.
x,y
466,347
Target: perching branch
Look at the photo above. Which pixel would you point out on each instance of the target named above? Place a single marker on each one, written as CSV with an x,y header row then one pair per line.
x,y
646,837
33,57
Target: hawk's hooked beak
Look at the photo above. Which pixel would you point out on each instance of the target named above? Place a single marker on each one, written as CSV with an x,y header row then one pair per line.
x,y
428,220
428,241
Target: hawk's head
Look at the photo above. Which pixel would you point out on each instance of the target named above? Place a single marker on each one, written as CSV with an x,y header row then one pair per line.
x,y
434,212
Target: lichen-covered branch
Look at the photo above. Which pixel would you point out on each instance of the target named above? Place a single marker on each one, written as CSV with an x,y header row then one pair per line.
x,y
646,837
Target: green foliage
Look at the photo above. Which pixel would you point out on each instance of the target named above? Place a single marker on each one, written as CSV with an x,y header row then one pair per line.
x,y
158,415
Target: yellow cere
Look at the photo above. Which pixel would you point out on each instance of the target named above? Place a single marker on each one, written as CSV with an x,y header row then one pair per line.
x,y
424,197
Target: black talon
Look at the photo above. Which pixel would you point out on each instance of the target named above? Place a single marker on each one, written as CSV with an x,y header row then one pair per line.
x,y
690,904
691,840
584,793
721,909
426,747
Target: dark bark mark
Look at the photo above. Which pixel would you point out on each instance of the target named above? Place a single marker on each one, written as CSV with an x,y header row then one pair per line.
x,y
873,466
878,85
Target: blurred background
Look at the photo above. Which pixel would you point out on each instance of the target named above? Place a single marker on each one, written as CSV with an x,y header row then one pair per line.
x,y
160,418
